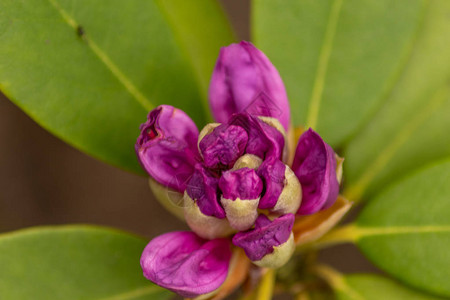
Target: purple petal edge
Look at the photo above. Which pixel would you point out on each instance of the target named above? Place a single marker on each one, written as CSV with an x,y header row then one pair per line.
x,y
223,146
244,80
272,172
259,242
243,183
167,146
264,140
203,189
315,167
185,263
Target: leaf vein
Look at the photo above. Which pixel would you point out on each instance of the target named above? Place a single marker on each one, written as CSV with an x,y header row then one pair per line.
x,y
106,60
395,76
322,68
355,191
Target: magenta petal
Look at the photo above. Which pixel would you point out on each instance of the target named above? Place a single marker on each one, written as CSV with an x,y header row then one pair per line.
x,y
244,80
223,146
263,140
242,183
185,263
167,146
315,167
203,188
259,242
272,172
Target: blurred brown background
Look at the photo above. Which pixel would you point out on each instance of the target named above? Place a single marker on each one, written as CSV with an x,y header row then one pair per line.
x,y
43,181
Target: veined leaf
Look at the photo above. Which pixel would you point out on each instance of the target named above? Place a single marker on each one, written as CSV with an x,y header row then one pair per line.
x,y
89,71
338,58
406,230
73,262
411,129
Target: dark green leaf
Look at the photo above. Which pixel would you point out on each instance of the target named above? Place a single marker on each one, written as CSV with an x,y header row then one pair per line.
x,y
89,71
73,262
339,58
411,129
406,230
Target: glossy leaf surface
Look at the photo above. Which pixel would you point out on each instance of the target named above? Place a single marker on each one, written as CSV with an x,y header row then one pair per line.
x,y
411,128
406,230
90,71
73,262
339,58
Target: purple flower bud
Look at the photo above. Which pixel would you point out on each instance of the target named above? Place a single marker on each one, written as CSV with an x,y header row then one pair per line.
x,y
266,238
240,196
272,172
263,140
283,193
185,263
223,146
203,188
207,227
244,79
167,146
242,183
315,167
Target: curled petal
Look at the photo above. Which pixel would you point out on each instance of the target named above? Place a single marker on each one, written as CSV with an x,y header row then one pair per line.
x,y
244,79
315,167
263,140
205,226
167,146
242,183
272,172
291,195
286,138
203,187
280,255
283,193
223,146
185,263
266,237
205,131
240,197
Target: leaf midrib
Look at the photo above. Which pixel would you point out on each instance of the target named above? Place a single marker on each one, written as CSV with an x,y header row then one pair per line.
x,y
394,79
105,59
322,66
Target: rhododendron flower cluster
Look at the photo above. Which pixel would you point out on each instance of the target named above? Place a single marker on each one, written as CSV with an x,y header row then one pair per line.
x,y
244,180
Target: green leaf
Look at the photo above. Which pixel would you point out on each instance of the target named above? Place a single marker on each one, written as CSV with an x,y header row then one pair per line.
x,y
89,71
406,230
338,58
373,287
73,262
411,129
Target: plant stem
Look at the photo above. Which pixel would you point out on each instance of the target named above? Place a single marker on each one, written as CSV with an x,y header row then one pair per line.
x,y
303,296
336,280
265,288
340,235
